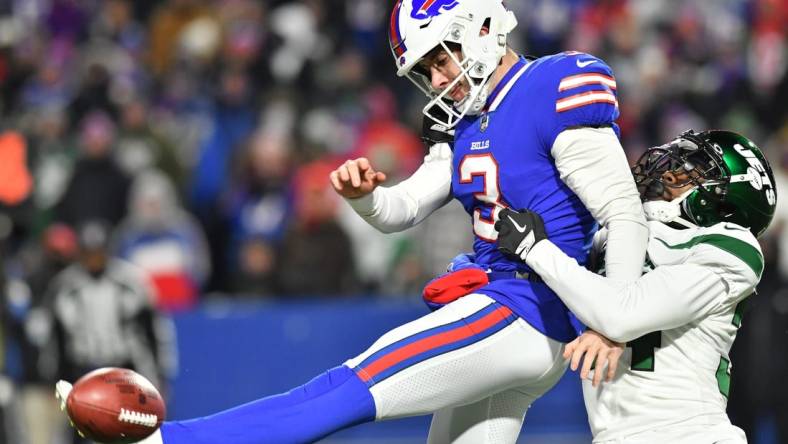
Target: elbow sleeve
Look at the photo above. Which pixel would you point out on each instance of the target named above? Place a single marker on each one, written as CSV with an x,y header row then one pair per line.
x,y
396,208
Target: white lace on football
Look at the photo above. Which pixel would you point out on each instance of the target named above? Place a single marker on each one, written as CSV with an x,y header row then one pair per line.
x,y
145,419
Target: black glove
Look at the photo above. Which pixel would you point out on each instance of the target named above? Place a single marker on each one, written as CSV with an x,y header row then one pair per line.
x,y
433,132
518,232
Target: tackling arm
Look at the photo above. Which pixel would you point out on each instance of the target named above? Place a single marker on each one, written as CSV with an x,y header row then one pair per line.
x,y
409,202
667,297
592,163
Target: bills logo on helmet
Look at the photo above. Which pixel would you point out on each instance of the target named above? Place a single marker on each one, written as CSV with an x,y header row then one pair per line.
x,y
424,9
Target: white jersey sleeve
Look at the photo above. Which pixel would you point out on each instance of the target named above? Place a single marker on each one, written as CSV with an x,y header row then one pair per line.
x,y
396,208
696,272
665,298
592,163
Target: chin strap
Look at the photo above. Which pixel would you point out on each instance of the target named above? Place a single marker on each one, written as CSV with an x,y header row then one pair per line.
x,y
474,107
668,211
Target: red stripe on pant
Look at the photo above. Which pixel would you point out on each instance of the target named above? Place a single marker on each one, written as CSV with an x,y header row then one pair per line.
x,y
420,346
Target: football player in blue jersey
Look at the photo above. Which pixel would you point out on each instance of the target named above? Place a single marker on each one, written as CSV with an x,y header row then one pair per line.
x,y
537,134
526,134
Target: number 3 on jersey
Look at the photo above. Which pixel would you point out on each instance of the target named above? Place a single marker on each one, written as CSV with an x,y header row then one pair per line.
x,y
489,198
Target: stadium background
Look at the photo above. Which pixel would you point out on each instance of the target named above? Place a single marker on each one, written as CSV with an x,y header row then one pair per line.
x,y
222,120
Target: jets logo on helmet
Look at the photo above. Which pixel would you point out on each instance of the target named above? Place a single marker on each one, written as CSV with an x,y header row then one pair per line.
x,y
756,174
424,9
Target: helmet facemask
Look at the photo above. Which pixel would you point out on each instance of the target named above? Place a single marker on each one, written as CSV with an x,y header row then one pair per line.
x,y
699,168
452,112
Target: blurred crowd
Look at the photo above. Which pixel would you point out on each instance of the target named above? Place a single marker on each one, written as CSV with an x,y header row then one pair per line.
x,y
169,151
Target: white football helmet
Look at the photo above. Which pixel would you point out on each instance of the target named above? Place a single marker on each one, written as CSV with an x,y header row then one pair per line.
x,y
419,26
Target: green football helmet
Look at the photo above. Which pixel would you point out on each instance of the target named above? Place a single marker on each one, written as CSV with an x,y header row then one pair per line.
x,y
732,180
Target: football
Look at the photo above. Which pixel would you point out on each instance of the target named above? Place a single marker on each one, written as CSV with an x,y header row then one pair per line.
x,y
115,405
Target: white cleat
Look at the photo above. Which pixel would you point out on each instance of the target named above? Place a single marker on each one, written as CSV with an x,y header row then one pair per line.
x,y
62,390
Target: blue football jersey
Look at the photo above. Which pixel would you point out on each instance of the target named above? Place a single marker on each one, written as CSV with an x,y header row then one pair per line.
x,y
502,159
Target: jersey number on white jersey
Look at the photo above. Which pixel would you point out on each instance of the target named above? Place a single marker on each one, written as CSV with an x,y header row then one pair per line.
x,y
644,348
643,351
724,369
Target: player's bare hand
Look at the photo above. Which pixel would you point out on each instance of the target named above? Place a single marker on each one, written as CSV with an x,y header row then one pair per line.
x,y
595,351
356,178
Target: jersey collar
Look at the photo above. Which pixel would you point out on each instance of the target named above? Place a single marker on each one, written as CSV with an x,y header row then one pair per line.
x,y
506,83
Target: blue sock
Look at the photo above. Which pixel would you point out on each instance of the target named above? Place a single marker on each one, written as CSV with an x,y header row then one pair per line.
x,y
332,401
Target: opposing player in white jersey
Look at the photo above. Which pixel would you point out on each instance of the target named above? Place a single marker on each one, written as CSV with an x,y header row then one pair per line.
x,y
707,197
537,134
